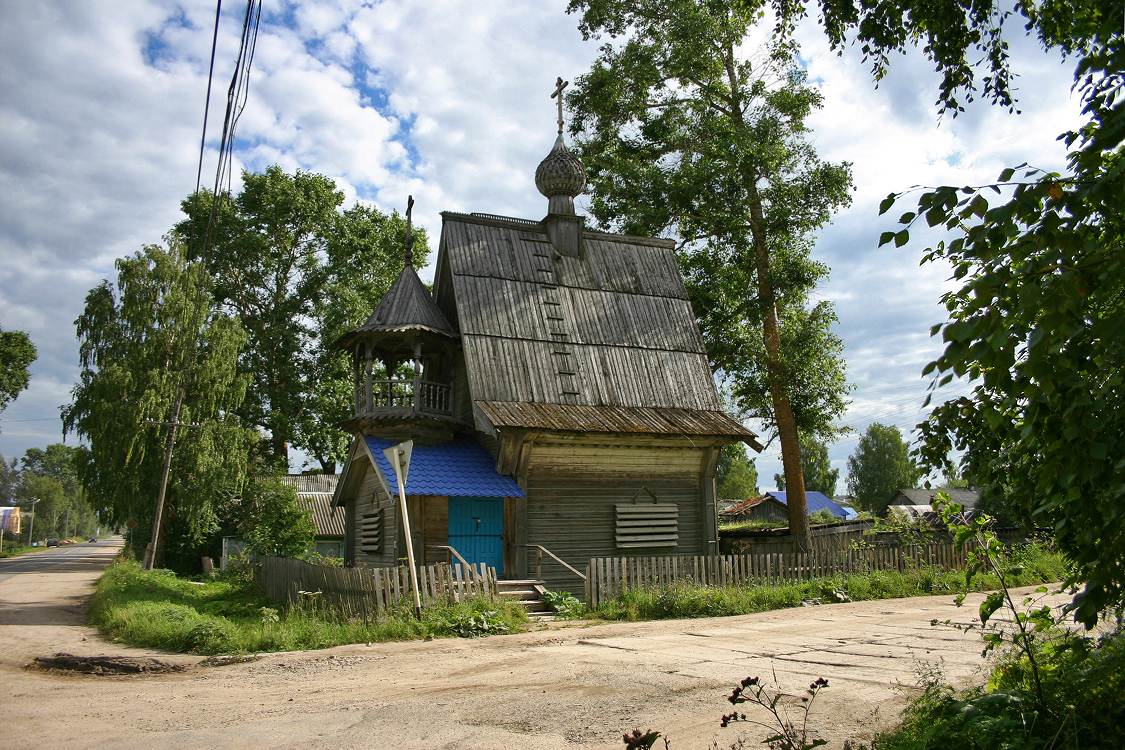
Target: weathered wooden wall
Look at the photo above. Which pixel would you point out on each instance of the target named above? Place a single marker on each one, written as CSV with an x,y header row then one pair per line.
x,y
371,498
572,491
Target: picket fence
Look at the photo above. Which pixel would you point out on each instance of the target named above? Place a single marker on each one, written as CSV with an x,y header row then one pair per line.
x,y
608,577
370,592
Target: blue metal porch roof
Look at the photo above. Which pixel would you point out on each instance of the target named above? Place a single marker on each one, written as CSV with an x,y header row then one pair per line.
x,y
461,468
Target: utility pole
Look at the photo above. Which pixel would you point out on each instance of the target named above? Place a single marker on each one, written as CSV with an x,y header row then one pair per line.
x,y
31,523
150,550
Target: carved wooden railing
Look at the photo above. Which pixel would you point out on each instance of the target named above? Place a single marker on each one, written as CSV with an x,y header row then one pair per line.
x,y
414,393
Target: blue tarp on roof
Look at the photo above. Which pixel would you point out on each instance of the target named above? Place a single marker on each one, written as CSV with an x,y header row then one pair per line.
x,y
816,501
461,468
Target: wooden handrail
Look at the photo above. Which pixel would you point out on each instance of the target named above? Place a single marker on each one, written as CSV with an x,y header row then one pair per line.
x,y
457,554
539,562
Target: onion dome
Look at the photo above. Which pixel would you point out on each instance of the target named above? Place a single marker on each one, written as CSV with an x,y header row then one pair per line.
x,y
560,173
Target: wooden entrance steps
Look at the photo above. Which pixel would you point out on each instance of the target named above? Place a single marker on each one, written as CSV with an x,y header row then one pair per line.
x,y
529,594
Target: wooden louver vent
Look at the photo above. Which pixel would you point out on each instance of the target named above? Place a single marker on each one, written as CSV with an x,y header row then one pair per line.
x,y
647,524
371,532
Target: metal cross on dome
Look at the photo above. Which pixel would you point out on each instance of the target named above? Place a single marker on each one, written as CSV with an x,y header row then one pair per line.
x,y
560,84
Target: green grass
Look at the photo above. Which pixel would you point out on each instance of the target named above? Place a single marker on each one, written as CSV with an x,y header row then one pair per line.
x,y
686,600
752,525
229,615
11,549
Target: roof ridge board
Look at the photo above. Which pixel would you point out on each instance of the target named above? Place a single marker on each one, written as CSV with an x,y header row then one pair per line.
x,y
630,239
576,343
561,285
494,220
499,220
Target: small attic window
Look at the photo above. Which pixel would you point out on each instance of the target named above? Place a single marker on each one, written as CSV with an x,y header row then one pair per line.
x,y
646,522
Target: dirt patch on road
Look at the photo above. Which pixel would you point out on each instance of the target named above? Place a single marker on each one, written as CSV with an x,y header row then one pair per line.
x,y
104,665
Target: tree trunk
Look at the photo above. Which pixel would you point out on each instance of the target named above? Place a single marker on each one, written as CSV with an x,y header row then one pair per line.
x,y
327,465
280,449
782,410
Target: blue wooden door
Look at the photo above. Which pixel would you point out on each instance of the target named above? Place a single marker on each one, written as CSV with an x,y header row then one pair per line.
x,y
476,530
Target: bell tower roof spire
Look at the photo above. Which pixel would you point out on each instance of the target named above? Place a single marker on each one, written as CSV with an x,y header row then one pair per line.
x,y
409,231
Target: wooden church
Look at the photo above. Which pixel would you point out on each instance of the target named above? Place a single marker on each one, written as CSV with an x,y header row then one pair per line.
x,y
561,399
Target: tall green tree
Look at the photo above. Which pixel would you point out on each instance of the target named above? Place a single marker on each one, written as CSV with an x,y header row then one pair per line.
x,y
1038,318
9,478
274,522
16,355
817,469
736,477
50,475
880,466
297,271
135,342
684,134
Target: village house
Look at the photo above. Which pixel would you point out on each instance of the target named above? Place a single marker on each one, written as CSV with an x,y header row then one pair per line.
x,y
314,491
556,389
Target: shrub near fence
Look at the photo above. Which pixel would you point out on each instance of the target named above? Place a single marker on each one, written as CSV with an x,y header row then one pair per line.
x,y
369,592
608,577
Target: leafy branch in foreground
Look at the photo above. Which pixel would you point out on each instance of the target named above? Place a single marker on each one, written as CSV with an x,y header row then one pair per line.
x,y
988,553
1039,324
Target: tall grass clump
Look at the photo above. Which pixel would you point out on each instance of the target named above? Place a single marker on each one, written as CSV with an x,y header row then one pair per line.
x,y
687,599
229,615
1081,704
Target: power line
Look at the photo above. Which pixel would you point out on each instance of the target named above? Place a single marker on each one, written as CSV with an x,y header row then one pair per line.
x,y
236,102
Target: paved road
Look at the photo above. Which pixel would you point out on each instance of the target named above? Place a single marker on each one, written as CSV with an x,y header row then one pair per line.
x,y
42,561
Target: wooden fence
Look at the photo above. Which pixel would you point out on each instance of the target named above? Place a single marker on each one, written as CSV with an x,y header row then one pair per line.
x,y
608,577
368,592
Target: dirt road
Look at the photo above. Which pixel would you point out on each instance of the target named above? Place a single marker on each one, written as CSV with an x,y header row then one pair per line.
x,y
565,687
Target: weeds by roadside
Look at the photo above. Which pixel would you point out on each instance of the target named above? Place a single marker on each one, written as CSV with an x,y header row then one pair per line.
x,y
11,549
1037,563
229,615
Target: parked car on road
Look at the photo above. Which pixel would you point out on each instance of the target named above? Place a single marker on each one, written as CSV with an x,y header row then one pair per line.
x,y
52,542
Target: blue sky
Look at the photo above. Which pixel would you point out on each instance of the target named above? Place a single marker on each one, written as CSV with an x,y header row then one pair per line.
x,y
448,101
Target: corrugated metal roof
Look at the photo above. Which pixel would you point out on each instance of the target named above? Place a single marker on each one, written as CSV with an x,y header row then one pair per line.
x,y
965,497
744,506
309,482
583,418
611,328
461,468
320,503
816,501
407,306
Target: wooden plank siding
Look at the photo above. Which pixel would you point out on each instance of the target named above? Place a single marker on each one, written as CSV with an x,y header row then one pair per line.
x,y
573,492
371,497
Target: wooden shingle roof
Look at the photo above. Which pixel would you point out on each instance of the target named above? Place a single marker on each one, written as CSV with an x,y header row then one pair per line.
x,y
407,306
613,328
